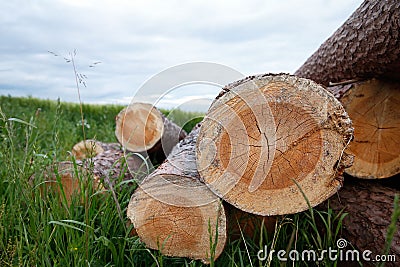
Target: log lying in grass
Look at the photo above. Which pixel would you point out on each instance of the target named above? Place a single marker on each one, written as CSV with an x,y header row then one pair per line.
x,y
110,162
104,169
369,205
367,45
91,148
86,149
67,179
373,106
265,132
174,212
141,127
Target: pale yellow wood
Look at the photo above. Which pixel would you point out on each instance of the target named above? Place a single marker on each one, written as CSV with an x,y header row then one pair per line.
x,y
374,107
174,212
139,127
87,149
264,133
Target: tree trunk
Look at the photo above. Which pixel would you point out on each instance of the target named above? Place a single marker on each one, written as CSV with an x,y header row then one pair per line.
x,y
373,106
174,212
367,45
369,205
141,127
265,136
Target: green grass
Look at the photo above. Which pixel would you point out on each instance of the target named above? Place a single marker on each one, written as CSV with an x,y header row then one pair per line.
x,y
40,230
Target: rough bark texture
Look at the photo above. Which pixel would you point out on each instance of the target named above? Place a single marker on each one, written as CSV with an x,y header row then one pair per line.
x,y
106,168
265,132
141,127
109,162
174,212
373,106
369,206
241,224
367,45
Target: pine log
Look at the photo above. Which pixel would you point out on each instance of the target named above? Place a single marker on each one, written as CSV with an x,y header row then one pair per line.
x,y
91,148
266,136
369,205
141,127
174,212
373,106
367,45
66,180
110,162
104,169
86,149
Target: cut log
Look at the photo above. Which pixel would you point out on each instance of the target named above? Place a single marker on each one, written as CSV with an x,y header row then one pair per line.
x,y
141,127
91,148
267,135
86,149
174,212
110,162
369,206
66,180
373,107
105,169
367,45
241,224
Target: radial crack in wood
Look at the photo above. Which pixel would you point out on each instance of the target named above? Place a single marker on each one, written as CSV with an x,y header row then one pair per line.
x,y
265,132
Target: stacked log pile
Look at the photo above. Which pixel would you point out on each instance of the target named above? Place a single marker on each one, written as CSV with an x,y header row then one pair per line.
x,y
265,142
360,65
269,145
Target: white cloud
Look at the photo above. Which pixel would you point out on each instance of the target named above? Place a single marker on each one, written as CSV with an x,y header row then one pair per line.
x,y
134,40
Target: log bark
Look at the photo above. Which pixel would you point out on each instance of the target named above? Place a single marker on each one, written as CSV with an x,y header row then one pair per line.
x,y
367,45
105,169
174,212
267,135
110,162
373,106
369,205
141,127
241,224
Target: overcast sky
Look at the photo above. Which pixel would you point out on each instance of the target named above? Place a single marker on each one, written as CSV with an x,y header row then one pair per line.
x,y
136,40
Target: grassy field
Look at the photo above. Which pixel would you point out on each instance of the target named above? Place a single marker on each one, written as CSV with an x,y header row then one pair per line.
x,y
40,230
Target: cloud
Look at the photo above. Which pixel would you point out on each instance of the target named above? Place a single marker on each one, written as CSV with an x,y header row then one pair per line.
x,y
135,40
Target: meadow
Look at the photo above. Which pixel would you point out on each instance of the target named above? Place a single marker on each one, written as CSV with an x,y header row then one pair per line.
x,y
46,230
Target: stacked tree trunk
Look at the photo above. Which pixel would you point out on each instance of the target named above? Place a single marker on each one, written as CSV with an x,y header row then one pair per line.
x,y
360,65
106,163
267,143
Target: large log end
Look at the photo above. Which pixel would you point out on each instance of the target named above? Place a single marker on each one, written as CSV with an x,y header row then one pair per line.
x,y
268,139
178,216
